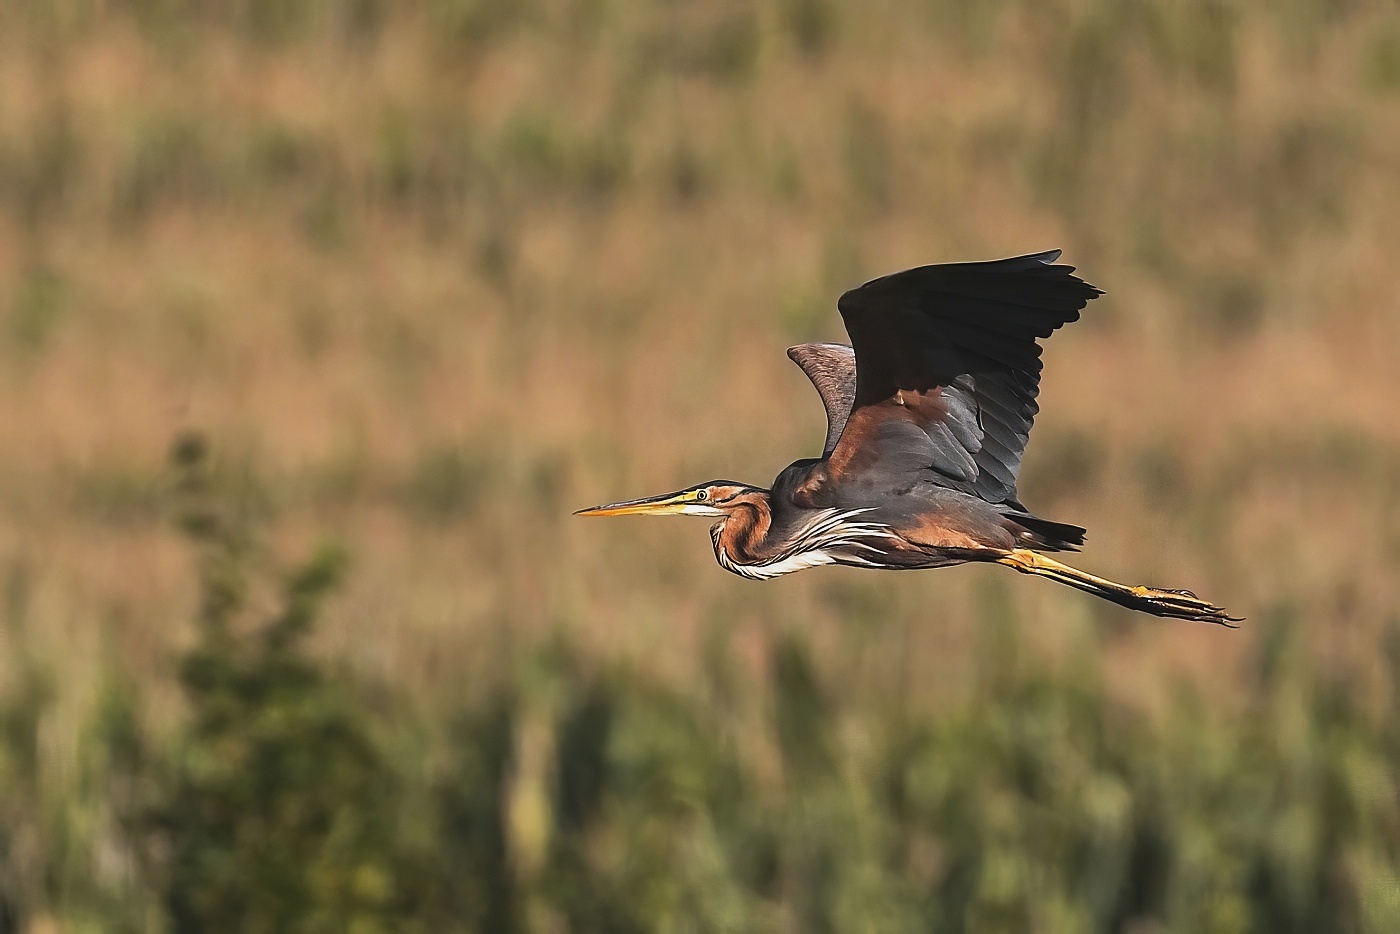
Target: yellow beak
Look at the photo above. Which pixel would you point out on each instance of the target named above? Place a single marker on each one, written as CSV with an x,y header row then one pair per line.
x,y
686,502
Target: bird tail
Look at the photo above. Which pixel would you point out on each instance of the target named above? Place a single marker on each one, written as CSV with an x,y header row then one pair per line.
x,y
1178,604
1044,535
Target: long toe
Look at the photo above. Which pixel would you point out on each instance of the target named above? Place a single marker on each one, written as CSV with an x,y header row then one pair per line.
x,y
1182,604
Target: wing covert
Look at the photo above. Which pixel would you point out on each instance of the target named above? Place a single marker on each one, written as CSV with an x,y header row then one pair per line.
x,y
832,369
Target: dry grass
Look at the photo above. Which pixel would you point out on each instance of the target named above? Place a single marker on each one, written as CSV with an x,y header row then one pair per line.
x,y
431,281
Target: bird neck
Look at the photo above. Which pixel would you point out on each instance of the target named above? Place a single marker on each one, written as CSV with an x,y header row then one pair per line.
x,y
743,534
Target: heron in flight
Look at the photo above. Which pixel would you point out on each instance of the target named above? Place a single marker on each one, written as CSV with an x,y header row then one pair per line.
x,y
928,412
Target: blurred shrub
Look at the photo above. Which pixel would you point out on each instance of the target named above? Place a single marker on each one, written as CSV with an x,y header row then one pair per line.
x,y
588,797
478,889
26,845
279,813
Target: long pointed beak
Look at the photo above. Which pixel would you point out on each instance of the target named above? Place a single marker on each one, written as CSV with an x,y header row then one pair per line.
x,y
670,504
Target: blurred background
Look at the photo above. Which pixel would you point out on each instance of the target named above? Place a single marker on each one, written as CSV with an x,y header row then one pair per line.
x,y
321,316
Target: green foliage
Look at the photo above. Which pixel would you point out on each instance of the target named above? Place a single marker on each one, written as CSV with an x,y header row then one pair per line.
x,y
280,808
596,798
478,886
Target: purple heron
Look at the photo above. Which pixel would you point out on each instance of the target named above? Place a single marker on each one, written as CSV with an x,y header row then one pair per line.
x,y
928,412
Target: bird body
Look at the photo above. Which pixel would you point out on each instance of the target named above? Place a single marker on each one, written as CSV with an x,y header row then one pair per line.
x,y
928,415
768,533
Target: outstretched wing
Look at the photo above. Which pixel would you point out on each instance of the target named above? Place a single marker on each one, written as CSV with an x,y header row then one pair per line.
x,y
832,369
948,368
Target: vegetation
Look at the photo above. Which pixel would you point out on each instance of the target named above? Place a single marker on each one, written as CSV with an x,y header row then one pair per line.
x,y
421,278
596,799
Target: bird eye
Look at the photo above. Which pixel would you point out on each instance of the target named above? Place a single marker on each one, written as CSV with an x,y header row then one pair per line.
x,y
702,495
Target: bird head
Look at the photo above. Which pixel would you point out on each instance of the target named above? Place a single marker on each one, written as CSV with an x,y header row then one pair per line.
x,y
716,499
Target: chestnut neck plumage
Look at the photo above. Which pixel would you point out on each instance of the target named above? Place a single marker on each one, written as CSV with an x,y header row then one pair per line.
x,y
743,535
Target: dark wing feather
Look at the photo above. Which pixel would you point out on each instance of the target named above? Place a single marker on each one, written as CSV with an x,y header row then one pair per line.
x,y
948,369
832,369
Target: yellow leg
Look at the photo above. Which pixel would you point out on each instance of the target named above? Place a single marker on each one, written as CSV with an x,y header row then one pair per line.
x,y
1180,604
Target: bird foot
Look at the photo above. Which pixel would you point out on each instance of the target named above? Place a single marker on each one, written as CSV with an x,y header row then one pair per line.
x,y
1182,604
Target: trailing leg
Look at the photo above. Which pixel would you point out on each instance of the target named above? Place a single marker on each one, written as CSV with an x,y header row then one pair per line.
x,y
1180,604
